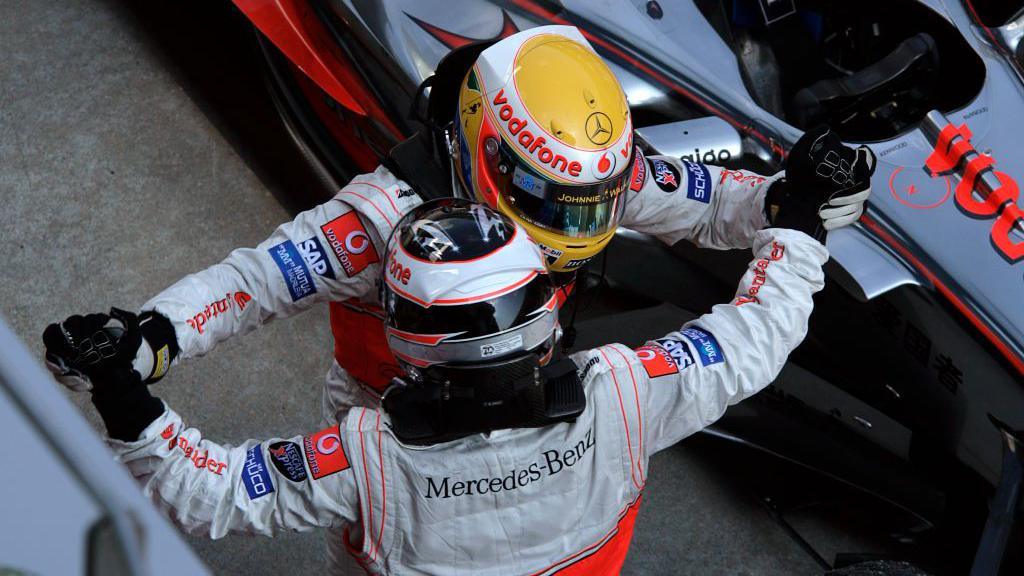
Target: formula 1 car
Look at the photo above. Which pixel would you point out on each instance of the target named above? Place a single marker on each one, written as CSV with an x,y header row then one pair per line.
x,y
910,386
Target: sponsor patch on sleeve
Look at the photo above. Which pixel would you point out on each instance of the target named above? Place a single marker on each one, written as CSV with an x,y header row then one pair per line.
x,y
287,458
698,182
293,268
665,175
324,453
313,253
656,361
255,475
678,351
705,344
350,242
639,176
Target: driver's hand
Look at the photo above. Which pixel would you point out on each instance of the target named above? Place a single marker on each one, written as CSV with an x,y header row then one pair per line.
x,y
827,185
82,349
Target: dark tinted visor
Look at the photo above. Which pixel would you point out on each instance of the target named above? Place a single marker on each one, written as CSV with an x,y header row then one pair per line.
x,y
577,211
470,320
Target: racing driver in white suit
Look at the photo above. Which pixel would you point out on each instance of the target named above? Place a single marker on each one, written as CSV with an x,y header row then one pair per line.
x,y
492,455
544,135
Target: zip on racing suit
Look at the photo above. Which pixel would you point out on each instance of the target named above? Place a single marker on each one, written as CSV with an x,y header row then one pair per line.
x,y
481,504
332,253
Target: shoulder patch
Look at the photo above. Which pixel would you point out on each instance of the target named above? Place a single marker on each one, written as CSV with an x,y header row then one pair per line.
x,y
706,345
350,243
698,182
324,453
656,361
666,176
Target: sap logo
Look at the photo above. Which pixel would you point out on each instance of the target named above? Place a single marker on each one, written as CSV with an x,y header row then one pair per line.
x,y
313,253
677,350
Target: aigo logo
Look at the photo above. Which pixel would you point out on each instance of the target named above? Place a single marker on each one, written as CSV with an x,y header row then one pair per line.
x,y
1000,203
351,243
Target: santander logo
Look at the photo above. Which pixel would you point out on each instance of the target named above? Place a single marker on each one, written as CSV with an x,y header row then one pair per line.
x,y
534,145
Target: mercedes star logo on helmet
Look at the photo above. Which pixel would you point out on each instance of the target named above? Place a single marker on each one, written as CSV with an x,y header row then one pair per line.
x,y
599,128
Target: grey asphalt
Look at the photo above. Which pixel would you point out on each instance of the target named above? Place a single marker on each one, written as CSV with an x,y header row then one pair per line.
x,y
116,178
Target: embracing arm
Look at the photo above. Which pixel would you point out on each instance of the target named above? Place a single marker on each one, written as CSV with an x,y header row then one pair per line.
x,y
825,182
326,253
212,489
721,358
710,206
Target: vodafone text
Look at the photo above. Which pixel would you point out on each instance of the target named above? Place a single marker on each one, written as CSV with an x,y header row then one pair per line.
x,y
532,144
552,462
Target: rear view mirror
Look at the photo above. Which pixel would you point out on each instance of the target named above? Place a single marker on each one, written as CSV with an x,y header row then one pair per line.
x,y
708,140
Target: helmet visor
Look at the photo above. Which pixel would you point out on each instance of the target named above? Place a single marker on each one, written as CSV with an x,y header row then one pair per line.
x,y
511,323
573,210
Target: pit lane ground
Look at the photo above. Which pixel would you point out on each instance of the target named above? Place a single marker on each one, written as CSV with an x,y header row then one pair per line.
x,y
137,145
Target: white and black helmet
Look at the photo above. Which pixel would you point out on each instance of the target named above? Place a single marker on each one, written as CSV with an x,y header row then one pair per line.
x,y
472,316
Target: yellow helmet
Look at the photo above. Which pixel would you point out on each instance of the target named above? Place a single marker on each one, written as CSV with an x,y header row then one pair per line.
x,y
544,135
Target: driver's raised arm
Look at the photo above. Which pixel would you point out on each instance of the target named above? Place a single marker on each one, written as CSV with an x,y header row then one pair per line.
x,y
329,253
683,382
715,207
211,489
710,206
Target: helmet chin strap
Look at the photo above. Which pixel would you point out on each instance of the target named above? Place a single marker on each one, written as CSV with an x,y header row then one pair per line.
x,y
457,401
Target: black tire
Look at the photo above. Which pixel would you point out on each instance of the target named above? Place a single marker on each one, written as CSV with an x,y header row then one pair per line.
x,y
879,568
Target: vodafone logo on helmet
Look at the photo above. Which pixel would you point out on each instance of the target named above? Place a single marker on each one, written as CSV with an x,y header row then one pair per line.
x,y
534,145
351,243
604,166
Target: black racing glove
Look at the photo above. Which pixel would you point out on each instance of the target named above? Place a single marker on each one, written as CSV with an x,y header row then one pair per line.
x,y
100,349
826,186
81,341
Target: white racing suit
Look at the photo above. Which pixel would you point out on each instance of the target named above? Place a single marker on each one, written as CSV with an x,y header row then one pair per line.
x,y
332,253
558,499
